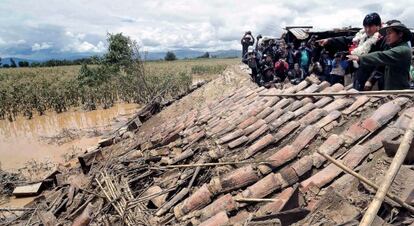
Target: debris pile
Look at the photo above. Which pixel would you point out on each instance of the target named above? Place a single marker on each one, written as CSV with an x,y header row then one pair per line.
x,y
243,159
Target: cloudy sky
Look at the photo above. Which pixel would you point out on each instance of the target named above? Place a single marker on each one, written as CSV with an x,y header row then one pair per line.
x,y
39,28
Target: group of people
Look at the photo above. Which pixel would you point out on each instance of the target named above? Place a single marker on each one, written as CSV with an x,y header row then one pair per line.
x,y
272,61
379,54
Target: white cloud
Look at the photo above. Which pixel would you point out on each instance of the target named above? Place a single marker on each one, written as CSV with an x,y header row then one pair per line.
x,y
88,47
162,25
77,44
41,46
20,41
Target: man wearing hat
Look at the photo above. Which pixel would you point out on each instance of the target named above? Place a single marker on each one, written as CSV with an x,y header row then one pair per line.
x,y
372,24
396,59
246,41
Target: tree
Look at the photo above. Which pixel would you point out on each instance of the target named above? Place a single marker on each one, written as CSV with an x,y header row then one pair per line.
x,y
6,65
23,64
170,56
120,51
0,61
35,64
12,63
205,55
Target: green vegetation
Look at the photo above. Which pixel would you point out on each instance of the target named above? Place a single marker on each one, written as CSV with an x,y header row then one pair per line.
x,y
119,77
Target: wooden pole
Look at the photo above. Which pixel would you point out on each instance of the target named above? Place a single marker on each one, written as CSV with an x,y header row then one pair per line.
x,y
213,164
389,176
366,181
360,93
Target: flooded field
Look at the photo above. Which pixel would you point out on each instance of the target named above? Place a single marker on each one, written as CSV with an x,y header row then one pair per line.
x,y
54,137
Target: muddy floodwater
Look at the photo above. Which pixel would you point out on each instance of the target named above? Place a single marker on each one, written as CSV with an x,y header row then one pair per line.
x,y
53,137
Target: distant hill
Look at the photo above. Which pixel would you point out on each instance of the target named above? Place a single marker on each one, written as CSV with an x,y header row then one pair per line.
x,y
6,60
181,54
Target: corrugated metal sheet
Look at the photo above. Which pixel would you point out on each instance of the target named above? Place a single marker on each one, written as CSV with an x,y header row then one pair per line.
x,y
299,33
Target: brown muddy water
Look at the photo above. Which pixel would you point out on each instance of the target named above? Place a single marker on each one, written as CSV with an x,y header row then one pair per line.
x,y
53,137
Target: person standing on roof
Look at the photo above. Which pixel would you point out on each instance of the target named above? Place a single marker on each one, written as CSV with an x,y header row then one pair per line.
x,y
268,76
246,41
339,66
304,58
366,41
253,61
396,59
290,55
296,75
281,69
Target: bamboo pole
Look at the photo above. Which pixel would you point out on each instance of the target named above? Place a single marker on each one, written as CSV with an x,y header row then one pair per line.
x,y
366,181
389,176
212,164
360,93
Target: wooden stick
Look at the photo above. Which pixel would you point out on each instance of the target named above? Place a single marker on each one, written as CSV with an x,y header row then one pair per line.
x,y
366,181
172,202
254,200
367,93
113,203
213,164
134,203
196,171
390,176
31,216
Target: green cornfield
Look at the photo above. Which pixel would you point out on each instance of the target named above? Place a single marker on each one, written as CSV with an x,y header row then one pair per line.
x,y
28,91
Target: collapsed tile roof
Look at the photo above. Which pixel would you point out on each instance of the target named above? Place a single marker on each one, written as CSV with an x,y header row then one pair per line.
x,y
283,134
245,125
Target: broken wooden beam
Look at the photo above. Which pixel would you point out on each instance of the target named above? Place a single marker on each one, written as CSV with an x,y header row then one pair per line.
x,y
395,166
87,159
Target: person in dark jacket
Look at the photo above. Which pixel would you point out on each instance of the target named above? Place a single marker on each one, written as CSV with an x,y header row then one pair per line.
x,y
252,59
246,41
396,59
258,47
290,56
372,24
268,77
377,77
